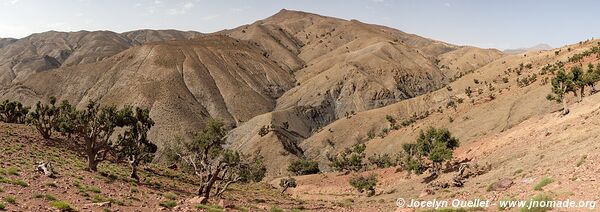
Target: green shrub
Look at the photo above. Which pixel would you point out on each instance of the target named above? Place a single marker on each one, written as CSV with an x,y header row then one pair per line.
x,y
538,198
362,183
276,209
168,204
304,167
286,183
10,199
383,160
20,183
350,159
12,171
581,160
540,185
2,206
437,145
94,189
170,195
49,197
62,206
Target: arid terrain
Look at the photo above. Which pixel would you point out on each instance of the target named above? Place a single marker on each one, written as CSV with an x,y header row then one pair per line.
x,y
296,86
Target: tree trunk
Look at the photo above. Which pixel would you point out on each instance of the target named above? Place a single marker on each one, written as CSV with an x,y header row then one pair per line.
x,y
565,110
284,188
46,134
92,163
133,162
581,94
134,174
207,187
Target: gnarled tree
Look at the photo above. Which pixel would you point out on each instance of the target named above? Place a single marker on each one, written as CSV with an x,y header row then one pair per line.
x,y
13,112
350,159
133,143
66,119
562,83
44,117
95,125
214,165
437,145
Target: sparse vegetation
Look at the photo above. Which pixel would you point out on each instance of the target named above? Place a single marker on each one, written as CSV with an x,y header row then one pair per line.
x,y
170,195
10,199
469,91
535,203
540,185
437,145
581,160
264,130
286,183
350,159
45,117
364,183
13,112
168,204
62,206
303,167
383,160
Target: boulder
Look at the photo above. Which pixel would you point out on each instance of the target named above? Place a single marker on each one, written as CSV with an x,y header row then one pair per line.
x,y
197,200
501,185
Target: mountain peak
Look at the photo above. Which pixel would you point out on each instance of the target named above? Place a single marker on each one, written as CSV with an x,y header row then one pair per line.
x,y
538,47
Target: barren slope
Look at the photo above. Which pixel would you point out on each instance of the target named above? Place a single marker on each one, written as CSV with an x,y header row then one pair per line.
x,y
345,67
49,50
519,133
183,83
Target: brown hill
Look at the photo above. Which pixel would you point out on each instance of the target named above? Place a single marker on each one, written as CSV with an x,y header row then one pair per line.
x,y
6,41
301,71
183,83
346,67
50,50
495,106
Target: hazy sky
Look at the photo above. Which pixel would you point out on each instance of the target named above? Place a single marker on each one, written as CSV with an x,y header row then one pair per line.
x,y
484,23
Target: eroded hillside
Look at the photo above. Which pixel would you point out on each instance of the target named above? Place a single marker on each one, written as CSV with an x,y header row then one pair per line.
x,y
49,50
183,83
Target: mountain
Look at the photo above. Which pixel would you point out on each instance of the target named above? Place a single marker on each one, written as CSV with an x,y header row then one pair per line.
x,y
539,47
294,71
183,83
6,41
342,67
318,85
49,50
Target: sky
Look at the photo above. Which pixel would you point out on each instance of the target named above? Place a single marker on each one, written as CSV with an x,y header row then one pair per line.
x,y
500,24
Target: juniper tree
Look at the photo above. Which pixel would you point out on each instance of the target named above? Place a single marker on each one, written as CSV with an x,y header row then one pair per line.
x,y
133,143
303,167
45,117
66,119
13,112
349,159
437,145
95,125
579,81
364,183
562,83
592,76
214,165
286,183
